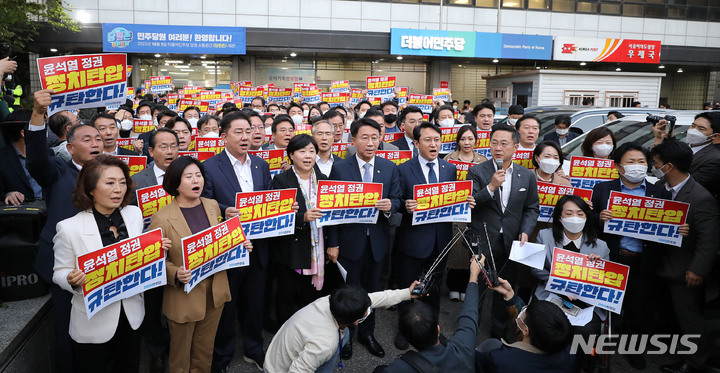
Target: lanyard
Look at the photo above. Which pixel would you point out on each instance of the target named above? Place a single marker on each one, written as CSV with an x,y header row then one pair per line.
x,y
340,346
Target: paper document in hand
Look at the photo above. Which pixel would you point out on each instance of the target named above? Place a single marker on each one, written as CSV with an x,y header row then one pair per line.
x,y
530,254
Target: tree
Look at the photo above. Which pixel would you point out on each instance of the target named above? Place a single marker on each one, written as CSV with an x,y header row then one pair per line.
x,y
20,20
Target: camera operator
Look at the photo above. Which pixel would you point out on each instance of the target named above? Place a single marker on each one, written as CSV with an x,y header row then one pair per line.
x,y
703,132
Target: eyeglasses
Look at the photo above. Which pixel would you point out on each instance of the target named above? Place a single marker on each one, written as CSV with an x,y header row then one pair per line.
x,y
495,144
164,148
519,319
365,140
258,128
369,311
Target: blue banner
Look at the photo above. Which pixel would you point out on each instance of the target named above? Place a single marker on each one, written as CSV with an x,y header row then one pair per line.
x,y
173,39
442,43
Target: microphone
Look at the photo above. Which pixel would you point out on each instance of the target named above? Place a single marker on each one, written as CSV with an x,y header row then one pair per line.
x,y
499,164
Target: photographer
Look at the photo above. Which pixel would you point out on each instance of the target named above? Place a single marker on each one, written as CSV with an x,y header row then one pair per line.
x,y
704,130
7,66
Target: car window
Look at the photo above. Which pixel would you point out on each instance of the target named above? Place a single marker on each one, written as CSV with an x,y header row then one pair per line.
x,y
589,122
547,120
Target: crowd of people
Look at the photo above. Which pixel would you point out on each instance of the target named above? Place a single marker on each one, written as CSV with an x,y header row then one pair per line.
x,y
287,288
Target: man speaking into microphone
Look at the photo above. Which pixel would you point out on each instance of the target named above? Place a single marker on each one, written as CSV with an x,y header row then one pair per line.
x,y
507,202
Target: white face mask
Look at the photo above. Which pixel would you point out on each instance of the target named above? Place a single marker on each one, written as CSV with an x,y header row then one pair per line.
x,y
602,150
297,119
348,123
360,115
454,107
306,112
324,111
145,117
211,134
126,125
549,166
695,137
658,172
193,122
512,121
447,122
573,224
561,131
635,173
258,111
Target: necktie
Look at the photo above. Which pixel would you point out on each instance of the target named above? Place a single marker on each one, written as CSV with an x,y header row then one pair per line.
x,y
432,178
415,152
367,175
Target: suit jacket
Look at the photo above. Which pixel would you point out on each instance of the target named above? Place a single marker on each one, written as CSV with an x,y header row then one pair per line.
x,y
336,159
179,306
294,250
143,179
123,151
521,212
14,178
79,235
145,137
552,136
600,197
699,249
268,146
419,241
57,177
401,144
351,237
352,150
705,169
221,184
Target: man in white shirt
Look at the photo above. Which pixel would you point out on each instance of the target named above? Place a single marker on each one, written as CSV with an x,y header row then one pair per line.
x,y
107,126
163,148
322,132
311,340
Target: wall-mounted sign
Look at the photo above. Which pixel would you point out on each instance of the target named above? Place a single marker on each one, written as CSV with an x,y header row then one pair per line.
x,y
569,48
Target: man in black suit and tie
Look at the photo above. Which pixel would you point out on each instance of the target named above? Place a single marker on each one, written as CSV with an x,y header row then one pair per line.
x,y
687,270
361,248
562,134
410,117
107,126
632,165
417,246
507,198
226,174
57,177
377,116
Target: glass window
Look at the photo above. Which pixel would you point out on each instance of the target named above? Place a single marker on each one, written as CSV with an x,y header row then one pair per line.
x,y
563,5
583,7
633,10
513,4
677,2
677,13
697,13
489,3
714,15
610,8
656,11
698,2
458,2
656,1
539,4
207,72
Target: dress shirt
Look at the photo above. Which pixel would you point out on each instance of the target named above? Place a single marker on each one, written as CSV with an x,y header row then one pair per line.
x,y
114,152
325,167
674,190
505,195
242,172
159,174
411,144
698,148
577,242
361,165
36,188
629,243
426,170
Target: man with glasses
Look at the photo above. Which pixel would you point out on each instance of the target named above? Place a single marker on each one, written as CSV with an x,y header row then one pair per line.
x,y
311,340
322,132
258,104
362,248
163,148
337,119
507,198
226,174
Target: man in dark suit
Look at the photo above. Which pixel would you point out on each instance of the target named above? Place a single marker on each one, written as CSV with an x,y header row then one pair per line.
x,y
706,157
57,177
410,117
417,246
361,248
283,129
377,116
226,174
562,134
107,126
323,132
687,269
17,184
508,204
163,147
632,165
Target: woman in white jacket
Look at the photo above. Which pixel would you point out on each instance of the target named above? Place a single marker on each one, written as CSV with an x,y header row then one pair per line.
x,y
110,340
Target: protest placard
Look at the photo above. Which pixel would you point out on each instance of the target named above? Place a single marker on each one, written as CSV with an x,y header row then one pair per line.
x,y
585,172
442,202
152,199
524,158
136,163
298,88
549,194
279,95
215,249
483,144
381,87
441,94
273,157
601,283
396,156
84,81
210,144
160,84
340,86
346,202
390,137
200,156
183,104
126,143
311,95
646,218
267,213
121,270
336,98
402,96
143,125
246,94
462,168
191,90
356,95
423,102
448,139
340,149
